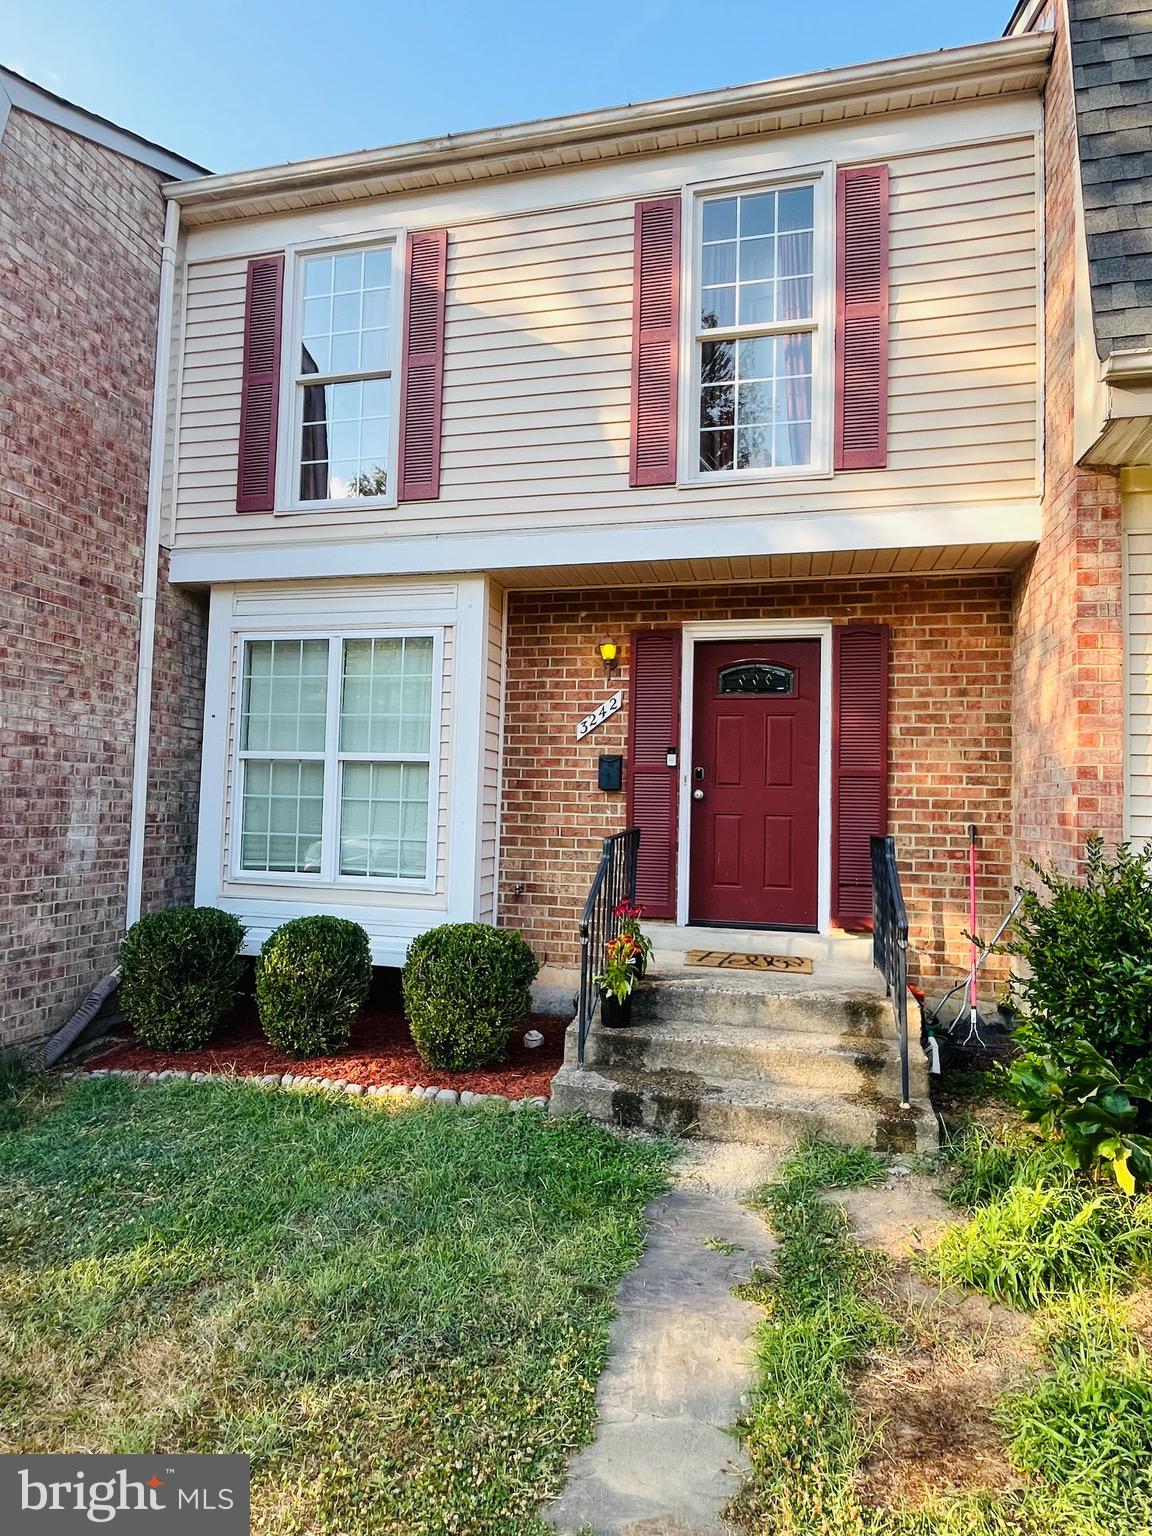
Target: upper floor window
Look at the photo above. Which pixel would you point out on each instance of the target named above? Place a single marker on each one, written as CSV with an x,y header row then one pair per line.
x,y
755,330
343,384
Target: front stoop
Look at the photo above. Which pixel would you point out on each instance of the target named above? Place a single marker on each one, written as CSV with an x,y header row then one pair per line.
x,y
755,1058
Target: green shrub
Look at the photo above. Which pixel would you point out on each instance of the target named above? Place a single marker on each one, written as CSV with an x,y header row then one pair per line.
x,y
1086,991
466,987
312,979
179,974
1103,1120
1087,946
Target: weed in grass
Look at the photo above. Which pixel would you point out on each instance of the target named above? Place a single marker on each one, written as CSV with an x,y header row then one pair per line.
x,y
398,1312
1040,1230
988,1165
801,1432
1087,1327
721,1245
24,1091
1088,1430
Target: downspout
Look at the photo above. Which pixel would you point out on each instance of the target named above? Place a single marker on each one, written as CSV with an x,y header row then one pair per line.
x,y
151,572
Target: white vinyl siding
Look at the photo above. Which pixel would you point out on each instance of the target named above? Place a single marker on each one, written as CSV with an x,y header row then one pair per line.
x,y
537,369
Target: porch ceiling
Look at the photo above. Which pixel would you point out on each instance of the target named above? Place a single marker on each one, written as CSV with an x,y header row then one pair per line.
x,y
934,561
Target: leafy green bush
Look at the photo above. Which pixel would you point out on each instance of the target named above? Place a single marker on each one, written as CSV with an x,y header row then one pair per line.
x,y
312,979
179,974
1087,946
466,987
1101,1117
1086,991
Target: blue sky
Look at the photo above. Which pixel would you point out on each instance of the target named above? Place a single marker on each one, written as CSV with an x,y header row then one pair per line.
x,y
235,83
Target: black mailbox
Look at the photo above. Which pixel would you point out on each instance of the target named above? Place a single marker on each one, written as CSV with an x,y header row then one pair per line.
x,y
611,771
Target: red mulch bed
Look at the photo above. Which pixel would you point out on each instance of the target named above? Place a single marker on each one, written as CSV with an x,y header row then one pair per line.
x,y
379,1052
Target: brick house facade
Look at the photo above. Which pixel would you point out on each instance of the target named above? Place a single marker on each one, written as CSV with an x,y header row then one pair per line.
x,y
81,220
555,495
1068,650
543,469
950,741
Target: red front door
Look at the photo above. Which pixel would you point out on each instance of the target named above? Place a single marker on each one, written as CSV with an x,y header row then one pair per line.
x,y
755,783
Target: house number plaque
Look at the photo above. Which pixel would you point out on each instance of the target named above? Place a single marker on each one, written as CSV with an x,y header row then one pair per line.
x,y
598,716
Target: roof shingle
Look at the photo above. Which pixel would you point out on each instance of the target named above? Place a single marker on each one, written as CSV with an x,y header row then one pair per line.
x,y
1112,74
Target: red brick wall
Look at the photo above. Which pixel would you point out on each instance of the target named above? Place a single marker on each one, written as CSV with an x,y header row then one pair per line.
x,y
951,739
80,229
1068,655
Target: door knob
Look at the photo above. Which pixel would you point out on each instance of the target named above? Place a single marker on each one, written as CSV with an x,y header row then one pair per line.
x,y
697,794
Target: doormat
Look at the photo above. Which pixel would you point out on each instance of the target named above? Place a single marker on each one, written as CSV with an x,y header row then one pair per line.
x,y
725,960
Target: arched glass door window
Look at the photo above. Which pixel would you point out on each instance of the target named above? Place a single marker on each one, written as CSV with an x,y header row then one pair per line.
x,y
756,677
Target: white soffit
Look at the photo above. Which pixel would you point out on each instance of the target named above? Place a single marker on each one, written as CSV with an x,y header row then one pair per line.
x,y
1007,66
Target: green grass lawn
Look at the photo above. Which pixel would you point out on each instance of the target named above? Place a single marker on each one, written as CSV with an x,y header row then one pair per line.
x,y
399,1312
1073,1255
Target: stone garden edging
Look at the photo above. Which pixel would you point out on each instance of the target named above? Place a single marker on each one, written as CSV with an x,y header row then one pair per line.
x,y
417,1092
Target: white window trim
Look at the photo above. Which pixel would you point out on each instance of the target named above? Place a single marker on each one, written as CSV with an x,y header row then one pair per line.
x,y
290,434
822,179
328,876
753,629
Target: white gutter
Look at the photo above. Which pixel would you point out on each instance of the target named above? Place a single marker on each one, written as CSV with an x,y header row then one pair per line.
x,y
151,572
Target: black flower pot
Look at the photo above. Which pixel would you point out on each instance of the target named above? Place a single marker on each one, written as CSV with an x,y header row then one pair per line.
x,y
614,1015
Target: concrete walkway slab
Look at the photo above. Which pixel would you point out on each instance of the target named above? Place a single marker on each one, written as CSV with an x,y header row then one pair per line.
x,y
664,1461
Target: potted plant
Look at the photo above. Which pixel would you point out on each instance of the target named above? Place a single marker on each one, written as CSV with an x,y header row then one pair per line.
x,y
629,915
626,960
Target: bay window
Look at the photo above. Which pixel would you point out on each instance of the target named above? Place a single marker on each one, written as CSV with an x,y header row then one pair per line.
x,y
755,330
335,751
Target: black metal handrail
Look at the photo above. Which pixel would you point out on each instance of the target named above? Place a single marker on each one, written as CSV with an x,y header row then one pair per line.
x,y
890,943
615,880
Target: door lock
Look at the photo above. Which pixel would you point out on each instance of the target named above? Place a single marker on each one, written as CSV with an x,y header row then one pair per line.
x,y
697,794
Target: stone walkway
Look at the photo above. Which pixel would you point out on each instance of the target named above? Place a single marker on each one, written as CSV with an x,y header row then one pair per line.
x,y
664,1462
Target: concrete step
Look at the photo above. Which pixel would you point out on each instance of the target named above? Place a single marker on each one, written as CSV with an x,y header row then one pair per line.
x,y
755,1113
755,1001
672,942
846,1063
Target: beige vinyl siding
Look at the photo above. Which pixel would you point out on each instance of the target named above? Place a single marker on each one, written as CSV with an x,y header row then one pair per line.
x,y
172,407
210,388
493,730
1139,685
537,371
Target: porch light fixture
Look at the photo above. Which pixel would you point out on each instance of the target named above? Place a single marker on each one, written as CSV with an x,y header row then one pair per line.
x,y
609,656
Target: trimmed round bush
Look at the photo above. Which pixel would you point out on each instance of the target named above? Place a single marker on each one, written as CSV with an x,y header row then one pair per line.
x,y
312,979
466,988
179,975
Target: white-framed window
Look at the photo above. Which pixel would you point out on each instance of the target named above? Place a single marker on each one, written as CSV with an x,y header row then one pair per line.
x,y
336,760
760,331
342,347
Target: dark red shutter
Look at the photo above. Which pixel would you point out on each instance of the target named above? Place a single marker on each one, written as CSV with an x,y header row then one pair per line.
x,y
653,728
655,341
859,765
862,318
260,387
422,380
